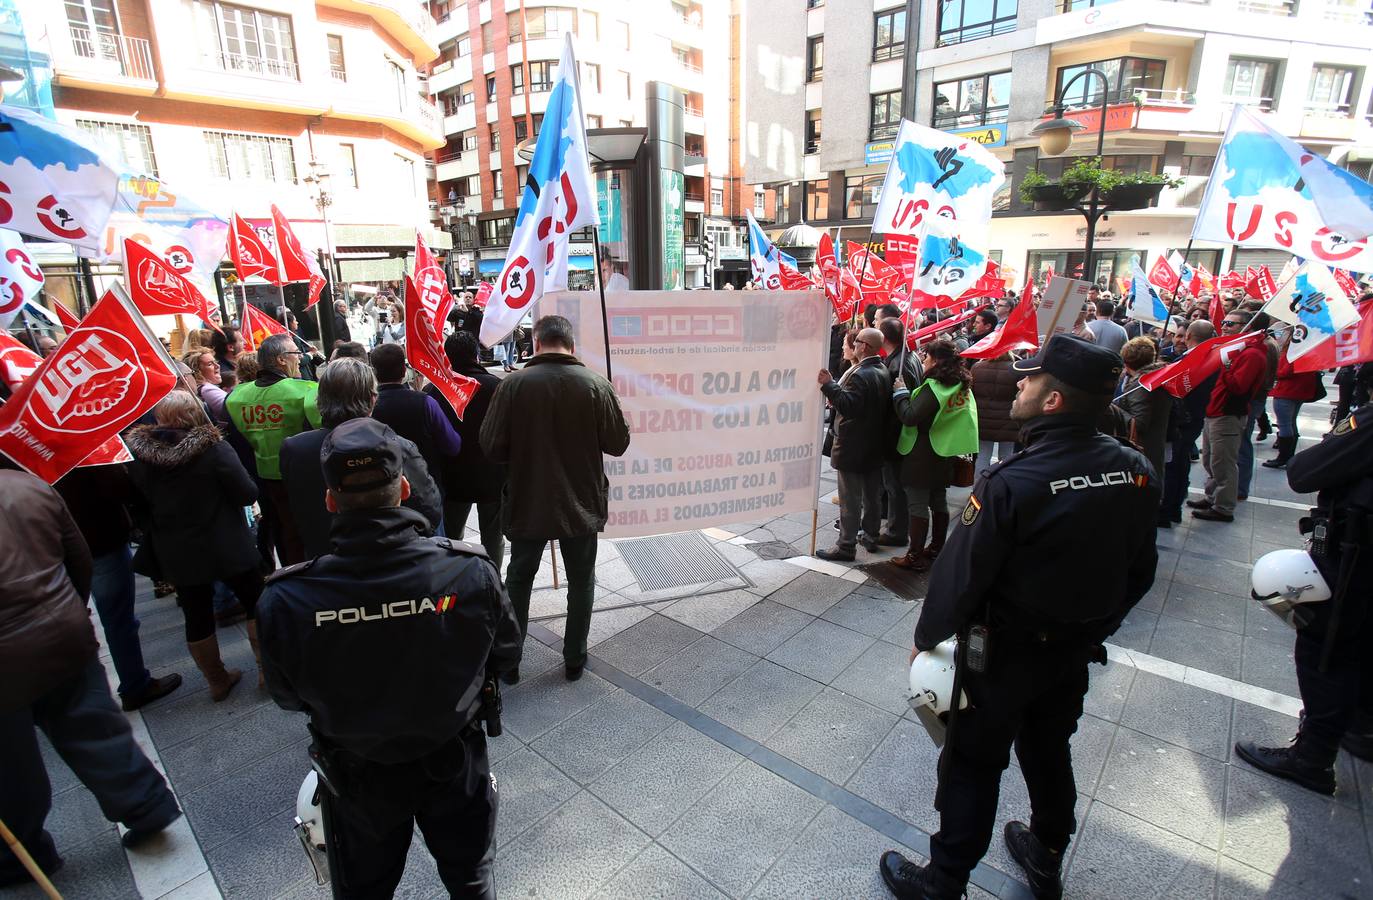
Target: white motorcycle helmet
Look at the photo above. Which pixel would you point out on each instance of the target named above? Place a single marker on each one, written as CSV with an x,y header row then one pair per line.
x,y
1285,581
309,826
932,688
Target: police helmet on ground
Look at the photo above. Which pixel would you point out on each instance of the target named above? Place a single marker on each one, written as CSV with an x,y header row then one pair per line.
x,y
1285,581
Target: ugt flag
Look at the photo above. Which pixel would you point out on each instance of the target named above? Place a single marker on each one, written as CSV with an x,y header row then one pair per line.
x,y
58,186
158,290
293,263
1266,190
1164,275
424,351
1315,305
1198,364
250,254
937,174
431,287
764,259
559,197
20,277
105,375
948,265
1144,304
257,326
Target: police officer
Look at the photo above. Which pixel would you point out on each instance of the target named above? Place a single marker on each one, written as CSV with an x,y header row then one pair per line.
x,y
390,643
1031,612
1333,671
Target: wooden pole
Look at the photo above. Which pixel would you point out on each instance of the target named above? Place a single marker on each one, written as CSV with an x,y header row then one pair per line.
x,y
814,524
27,862
553,558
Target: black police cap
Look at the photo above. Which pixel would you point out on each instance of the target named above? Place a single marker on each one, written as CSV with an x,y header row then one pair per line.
x,y
1076,362
359,455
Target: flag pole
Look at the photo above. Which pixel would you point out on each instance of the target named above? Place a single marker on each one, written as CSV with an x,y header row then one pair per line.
x,y
600,287
1172,307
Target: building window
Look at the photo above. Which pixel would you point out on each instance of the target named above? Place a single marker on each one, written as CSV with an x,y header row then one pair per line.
x,y
487,42
471,186
406,168
398,80
969,20
496,231
1251,81
348,164
889,34
1330,90
622,32
495,140
629,91
817,201
593,121
1127,163
860,195
521,130
247,40
521,176
490,88
591,77
815,58
498,183
467,140
134,142
884,117
1197,166
1124,77
465,94
336,67
760,202
464,46
541,75
592,28
717,201
812,131
691,229
517,79
969,102
543,22
251,157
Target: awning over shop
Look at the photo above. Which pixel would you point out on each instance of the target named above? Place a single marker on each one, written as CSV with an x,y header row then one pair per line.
x,y
493,266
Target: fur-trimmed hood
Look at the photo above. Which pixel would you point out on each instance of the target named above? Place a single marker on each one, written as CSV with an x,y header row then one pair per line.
x,y
167,448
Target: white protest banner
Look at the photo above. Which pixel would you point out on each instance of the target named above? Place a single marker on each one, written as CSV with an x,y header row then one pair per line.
x,y
1059,306
720,393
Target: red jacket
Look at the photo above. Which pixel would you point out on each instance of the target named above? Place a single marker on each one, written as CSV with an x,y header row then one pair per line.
x,y
1239,380
1292,385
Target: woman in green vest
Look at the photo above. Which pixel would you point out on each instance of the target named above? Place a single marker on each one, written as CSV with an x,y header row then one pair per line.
x,y
939,422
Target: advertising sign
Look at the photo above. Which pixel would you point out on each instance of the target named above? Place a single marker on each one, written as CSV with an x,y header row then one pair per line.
x,y
674,230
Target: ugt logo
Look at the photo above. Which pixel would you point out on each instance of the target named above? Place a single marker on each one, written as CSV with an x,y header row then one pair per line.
x,y
87,386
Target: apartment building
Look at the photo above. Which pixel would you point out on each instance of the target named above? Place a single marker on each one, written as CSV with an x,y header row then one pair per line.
x,y
491,83
829,81
246,104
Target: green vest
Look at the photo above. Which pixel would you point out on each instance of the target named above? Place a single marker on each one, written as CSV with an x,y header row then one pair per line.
x,y
266,416
954,430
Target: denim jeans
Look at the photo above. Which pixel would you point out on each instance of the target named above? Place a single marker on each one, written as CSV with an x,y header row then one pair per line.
x,y
112,589
1286,411
1246,450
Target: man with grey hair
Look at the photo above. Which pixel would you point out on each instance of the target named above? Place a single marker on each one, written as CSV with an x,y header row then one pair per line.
x,y
276,406
347,390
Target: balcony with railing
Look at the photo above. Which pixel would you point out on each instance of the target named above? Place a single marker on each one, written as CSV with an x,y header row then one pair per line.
x,y
255,65
408,21
1268,7
104,53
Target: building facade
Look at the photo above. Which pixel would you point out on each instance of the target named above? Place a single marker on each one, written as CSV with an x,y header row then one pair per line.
x,y
246,104
828,81
491,82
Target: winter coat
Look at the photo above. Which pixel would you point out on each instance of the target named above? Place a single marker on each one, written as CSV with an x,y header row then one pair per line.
x,y
96,497
194,490
551,423
923,467
910,375
1149,411
470,477
1293,385
45,576
860,416
994,383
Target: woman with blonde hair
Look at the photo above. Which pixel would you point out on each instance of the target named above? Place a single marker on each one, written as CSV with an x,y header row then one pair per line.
x,y
194,489
205,370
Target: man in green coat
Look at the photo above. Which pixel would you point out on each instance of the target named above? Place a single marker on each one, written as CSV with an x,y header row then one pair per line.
x,y
551,422
265,413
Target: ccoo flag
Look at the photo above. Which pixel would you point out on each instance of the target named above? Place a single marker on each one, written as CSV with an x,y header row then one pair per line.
x,y
1266,190
934,173
559,197
1315,305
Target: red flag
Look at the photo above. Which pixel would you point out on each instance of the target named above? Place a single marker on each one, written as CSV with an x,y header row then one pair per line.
x,y
1346,281
424,352
157,289
1348,346
432,285
66,317
903,252
257,326
1019,332
1217,311
1207,281
991,284
915,338
828,265
793,280
1198,364
483,294
875,275
106,374
1261,285
250,253
1231,280
1162,274
294,263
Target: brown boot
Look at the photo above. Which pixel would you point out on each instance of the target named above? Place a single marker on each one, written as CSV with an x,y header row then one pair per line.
x,y
211,665
257,651
939,529
915,555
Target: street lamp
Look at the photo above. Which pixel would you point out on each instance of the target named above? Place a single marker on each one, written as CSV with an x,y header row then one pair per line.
x,y
1056,136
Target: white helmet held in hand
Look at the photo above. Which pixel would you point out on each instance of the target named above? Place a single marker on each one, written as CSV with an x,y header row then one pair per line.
x,y
932,688
1285,581
309,826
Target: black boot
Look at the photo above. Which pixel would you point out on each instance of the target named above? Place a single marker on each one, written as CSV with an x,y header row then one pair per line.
x,y
1295,763
1286,447
908,881
1042,866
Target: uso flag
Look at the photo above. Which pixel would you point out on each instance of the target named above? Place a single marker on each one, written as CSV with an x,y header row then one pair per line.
x,y
106,374
559,197
934,173
1313,302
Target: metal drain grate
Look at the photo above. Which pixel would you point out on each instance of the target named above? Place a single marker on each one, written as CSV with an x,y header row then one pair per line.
x,y
674,560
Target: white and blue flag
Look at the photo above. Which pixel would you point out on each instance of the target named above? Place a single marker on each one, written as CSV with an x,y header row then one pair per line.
x,y
1266,190
764,259
935,173
1314,304
559,198
1144,303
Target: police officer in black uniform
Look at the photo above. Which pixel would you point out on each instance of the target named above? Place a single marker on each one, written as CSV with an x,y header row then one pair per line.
x,y
1334,669
390,643
1031,612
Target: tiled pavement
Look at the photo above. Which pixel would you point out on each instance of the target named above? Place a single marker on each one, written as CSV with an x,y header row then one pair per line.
x,y
756,743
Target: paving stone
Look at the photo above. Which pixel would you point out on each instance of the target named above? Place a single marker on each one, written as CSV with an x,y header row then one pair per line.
x,y
699,670
615,575
232,746
242,799
762,628
1136,630
75,818
1282,829
741,827
184,715
1206,607
813,592
252,863
605,623
1271,665
646,644
529,787
902,634
1091,745
1181,714
93,868
866,614
1236,881
1274,729
1166,785
656,874
658,782
1199,646
901,776
1227,576
879,676
498,748
535,659
1108,689
761,699
709,611
770,575
570,854
832,734
1261,624
1120,856
821,650
836,856
1152,601
535,705
601,735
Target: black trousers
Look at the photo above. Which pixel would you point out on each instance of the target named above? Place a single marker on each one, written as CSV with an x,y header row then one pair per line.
x,y
1030,697
92,736
1333,697
1177,472
451,796
198,607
